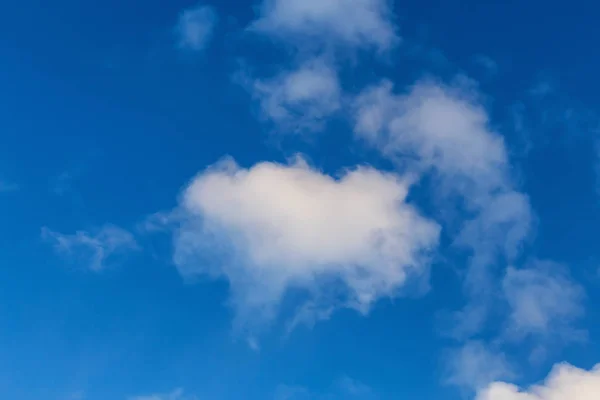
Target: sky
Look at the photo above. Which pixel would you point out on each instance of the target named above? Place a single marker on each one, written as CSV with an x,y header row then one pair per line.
x,y
299,200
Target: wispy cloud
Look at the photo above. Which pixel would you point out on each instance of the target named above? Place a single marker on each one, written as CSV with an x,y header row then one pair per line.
x,y
6,187
195,27
545,114
62,184
490,66
542,88
355,23
79,395
475,365
343,389
595,131
177,394
544,304
162,221
444,131
92,249
298,100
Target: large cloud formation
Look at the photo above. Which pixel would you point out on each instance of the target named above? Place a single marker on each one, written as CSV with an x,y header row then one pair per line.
x,y
272,228
565,382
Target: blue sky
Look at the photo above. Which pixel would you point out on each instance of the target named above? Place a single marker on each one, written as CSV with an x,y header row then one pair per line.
x,y
285,199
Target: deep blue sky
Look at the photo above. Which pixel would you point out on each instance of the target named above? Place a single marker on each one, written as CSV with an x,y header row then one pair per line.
x,y
105,120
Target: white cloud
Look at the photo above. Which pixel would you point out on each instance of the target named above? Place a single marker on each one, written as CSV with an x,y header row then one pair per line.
x,y
272,228
357,23
565,382
92,249
474,365
177,394
441,125
544,302
195,27
299,100
445,131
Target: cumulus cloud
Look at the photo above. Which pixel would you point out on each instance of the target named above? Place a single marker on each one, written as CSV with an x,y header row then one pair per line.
x,y
356,23
443,130
275,228
474,365
177,394
544,302
299,100
565,382
195,27
93,249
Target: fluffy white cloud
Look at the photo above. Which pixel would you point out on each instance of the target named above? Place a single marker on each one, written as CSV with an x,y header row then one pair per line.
x,y
177,394
195,27
357,23
543,301
274,228
445,131
92,249
565,382
474,365
300,99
